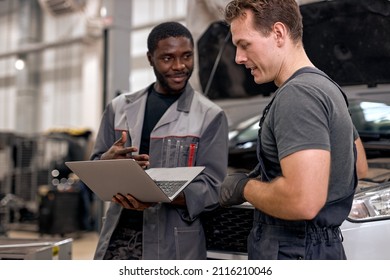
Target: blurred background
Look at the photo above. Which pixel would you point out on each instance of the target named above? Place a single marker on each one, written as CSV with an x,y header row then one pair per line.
x,y
62,61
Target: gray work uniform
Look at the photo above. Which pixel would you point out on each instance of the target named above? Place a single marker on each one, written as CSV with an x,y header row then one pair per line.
x,y
308,112
192,124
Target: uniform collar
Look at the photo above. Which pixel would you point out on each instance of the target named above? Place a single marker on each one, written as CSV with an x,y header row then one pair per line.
x,y
184,101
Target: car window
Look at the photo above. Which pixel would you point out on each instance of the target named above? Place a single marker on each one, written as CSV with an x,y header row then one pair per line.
x,y
370,116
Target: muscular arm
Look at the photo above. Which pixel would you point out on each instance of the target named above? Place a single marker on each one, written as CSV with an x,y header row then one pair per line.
x,y
300,193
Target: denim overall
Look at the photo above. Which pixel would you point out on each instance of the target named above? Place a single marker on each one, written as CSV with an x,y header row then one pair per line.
x,y
272,238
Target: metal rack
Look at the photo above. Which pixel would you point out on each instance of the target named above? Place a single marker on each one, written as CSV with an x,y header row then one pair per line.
x,y
26,163
5,178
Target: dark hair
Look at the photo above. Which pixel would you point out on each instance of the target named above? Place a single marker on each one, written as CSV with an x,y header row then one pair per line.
x,y
166,30
266,13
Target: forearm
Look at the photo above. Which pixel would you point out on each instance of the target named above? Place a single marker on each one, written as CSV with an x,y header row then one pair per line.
x,y
287,198
106,134
274,198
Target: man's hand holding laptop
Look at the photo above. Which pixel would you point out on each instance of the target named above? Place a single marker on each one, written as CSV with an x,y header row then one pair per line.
x,y
120,151
129,202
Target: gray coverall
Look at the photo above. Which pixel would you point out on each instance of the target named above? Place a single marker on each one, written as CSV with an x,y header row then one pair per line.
x,y
193,124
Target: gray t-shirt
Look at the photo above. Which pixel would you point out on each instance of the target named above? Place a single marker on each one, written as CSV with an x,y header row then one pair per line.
x,y
310,112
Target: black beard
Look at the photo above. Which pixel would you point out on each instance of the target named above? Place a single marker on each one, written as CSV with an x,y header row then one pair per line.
x,y
162,81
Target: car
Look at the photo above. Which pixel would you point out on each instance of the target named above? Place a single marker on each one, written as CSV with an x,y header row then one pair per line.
x,y
355,56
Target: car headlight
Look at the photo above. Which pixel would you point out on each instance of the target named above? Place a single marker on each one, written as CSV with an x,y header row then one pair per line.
x,y
371,203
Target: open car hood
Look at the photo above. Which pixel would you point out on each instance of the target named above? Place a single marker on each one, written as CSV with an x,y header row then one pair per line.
x,y
349,39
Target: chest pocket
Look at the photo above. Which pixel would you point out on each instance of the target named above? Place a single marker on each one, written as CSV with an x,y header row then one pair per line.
x,y
179,151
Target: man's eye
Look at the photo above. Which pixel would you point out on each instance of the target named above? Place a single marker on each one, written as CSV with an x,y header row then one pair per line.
x,y
243,46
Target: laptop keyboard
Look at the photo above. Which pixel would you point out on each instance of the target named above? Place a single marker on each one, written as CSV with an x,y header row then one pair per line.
x,y
170,187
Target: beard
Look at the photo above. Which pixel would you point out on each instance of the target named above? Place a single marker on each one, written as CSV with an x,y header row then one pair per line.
x,y
171,88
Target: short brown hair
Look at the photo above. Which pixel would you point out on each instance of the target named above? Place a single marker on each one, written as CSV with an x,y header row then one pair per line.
x,y
267,13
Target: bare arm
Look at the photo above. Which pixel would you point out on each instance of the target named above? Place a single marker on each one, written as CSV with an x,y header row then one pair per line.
x,y
361,163
300,193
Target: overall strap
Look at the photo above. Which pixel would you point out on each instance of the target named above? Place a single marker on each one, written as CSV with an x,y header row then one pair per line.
x,y
321,73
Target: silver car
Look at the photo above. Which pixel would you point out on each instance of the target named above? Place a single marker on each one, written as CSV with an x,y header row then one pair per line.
x,y
366,231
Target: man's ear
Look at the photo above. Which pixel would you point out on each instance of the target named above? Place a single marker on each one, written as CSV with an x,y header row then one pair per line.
x,y
150,59
280,31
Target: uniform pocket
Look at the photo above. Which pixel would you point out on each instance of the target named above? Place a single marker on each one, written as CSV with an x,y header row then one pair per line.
x,y
190,243
179,152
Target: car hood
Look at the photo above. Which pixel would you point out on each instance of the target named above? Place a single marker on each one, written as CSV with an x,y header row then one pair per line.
x,y
349,39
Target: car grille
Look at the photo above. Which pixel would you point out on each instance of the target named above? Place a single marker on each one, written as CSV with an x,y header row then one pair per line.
x,y
227,229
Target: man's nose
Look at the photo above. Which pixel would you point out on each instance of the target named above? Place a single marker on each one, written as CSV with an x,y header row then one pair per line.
x,y
178,64
240,58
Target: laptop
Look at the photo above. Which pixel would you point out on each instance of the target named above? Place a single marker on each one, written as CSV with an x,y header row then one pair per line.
x,y
106,178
